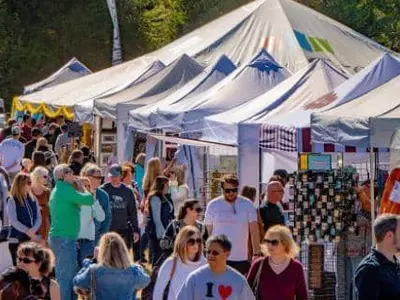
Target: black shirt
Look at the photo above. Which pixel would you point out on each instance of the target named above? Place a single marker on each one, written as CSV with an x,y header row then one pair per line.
x,y
271,214
377,278
123,207
30,148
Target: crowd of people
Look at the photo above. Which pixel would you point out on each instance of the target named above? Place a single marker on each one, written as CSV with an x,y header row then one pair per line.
x,y
73,231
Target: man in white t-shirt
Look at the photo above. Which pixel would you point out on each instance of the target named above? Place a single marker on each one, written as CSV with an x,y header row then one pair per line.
x,y
12,153
234,216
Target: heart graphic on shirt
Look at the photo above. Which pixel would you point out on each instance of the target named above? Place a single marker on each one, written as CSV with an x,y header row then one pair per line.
x,y
224,291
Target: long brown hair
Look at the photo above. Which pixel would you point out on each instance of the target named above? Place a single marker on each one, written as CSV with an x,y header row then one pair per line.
x,y
17,190
189,203
158,185
113,252
153,170
180,246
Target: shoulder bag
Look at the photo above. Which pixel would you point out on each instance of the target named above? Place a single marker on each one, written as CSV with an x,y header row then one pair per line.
x,y
168,286
256,281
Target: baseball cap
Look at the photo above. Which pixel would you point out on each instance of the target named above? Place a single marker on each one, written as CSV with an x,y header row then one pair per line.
x,y
15,130
115,171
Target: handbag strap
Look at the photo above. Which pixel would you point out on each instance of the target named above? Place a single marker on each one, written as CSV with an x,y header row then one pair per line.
x,y
93,283
173,269
258,275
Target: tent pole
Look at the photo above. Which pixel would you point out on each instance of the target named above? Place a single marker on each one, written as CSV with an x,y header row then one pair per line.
x,y
372,186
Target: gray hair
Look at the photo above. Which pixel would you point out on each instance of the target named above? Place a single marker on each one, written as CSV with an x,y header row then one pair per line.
x,y
90,170
383,224
60,171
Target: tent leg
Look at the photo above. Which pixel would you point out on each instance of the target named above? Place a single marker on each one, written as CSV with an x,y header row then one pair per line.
x,y
372,185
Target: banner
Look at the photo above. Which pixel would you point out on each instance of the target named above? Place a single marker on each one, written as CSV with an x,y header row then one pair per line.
x,y
116,52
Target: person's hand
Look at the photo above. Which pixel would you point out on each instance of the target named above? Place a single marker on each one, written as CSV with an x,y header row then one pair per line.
x,y
135,237
30,233
96,252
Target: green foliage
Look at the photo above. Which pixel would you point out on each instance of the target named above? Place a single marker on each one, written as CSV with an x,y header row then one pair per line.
x,y
38,36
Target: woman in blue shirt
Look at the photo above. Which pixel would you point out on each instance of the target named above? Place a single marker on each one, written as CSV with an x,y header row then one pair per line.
x,y
115,277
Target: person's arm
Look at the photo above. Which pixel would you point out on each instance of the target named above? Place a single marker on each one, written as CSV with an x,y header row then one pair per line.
x,y
79,198
155,203
301,286
209,220
105,203
98,212
132,212
254,232
162,279
187,290
367,283
82,280
141,277
54,290
13,218
246,292
38,222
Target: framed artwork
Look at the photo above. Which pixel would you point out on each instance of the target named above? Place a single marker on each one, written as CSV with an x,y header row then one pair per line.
x,y
108,138
104,158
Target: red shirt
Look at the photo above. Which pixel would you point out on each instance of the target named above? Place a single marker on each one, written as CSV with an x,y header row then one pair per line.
x,y
288,285
26,132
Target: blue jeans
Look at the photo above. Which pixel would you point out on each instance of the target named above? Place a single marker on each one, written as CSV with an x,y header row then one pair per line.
x,y
85,249
65,265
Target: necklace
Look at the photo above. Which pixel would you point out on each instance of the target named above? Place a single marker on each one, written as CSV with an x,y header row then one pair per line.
x,y
278,268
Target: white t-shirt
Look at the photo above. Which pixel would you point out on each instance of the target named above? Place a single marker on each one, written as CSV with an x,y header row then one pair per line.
x,y
182,271
221,215
11,151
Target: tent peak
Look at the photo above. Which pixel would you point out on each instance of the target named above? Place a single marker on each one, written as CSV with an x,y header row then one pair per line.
x,y
224,65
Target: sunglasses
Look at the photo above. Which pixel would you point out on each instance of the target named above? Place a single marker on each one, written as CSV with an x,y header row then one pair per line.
x,y
197,209
26,260
213,252
97,177
234,190
192,241
45,177
272,242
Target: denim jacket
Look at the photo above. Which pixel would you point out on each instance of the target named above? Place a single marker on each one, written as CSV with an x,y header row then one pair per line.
x,y
112,283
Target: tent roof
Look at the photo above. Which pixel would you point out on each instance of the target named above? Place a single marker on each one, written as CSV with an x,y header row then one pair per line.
x,y
141,117
349,124
291,32
318,78
71,70
247,82
84,110
377,73
152,89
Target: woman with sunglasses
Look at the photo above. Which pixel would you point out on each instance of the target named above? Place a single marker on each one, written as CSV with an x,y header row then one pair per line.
x,y
189,214
23,213
161,212
40,181
278,274
30,279
187,257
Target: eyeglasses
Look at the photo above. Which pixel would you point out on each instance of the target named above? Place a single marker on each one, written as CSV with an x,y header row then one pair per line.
x,y
234,190
26,260
192,241
213,252
272,242
45,177
96,177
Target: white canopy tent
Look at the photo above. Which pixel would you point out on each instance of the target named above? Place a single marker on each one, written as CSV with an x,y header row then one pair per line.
x,y
71,70
249,81
292,33
357,123
144,118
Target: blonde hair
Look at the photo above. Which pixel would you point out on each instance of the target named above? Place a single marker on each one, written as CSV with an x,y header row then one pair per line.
x,y
180,175
113,252
180,246
41,142
153,170
285,237
38,173
17,187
